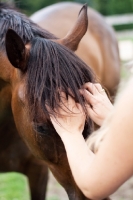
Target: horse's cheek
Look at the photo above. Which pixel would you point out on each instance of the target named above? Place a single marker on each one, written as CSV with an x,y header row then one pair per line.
x,y
22,123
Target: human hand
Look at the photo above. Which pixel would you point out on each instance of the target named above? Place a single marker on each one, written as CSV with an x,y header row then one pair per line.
x,y
70,117
99,105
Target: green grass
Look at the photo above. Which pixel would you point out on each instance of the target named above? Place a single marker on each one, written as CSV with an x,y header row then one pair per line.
x,y
14,186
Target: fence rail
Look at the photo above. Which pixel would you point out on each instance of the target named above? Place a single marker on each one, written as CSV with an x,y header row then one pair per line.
x,y
120,19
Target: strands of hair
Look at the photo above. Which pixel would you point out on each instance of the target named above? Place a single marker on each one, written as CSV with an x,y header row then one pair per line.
x,y
11,18
52,69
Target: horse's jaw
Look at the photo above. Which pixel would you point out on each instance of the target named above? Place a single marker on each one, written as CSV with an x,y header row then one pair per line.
x,y
57,161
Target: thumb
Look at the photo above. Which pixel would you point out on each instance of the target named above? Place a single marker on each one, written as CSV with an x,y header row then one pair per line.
x,y
91,113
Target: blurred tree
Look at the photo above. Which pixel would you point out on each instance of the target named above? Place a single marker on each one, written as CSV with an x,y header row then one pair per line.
x,y
30,6
106,7
8,1
101,6
111,7
89,2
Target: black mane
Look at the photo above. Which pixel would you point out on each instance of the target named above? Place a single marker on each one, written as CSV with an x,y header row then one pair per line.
x,y
11,18
53,68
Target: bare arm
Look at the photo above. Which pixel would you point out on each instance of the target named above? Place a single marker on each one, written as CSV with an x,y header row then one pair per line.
x,y
100,175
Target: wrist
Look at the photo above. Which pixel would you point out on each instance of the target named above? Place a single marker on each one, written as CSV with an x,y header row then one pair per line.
x,y
68,137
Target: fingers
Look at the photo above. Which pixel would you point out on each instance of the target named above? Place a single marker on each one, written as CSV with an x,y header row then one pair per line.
x,y
88,96
68,106
99,88
90,87
93,88
99,103
91,113
92,92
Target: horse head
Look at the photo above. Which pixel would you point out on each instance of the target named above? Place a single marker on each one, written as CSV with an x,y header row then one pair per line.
x,y
41,68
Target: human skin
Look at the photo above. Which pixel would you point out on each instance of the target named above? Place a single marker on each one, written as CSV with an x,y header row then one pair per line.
x,y
99,175
99,106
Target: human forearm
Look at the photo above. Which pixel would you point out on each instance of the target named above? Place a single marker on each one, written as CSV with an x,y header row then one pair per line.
x,y
79,158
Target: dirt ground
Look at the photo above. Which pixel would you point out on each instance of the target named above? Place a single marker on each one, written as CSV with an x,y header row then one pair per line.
x,y
56,192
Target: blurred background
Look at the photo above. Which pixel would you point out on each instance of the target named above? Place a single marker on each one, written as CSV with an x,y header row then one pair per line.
x,y
106,7
119,14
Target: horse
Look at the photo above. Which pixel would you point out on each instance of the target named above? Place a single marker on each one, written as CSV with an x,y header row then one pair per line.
x,y
14,153
35,67
98,48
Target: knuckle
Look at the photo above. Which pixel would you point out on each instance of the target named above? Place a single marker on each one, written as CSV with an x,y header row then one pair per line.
x,y
98,84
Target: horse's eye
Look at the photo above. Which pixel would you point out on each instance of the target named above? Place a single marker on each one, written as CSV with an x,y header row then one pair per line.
x,y
41,129
44,129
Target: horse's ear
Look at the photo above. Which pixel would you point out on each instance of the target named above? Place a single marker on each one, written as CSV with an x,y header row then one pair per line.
x,y
72,39
16,50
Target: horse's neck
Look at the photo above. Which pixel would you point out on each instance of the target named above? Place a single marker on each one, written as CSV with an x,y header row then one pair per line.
x,y
8,132
5,101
